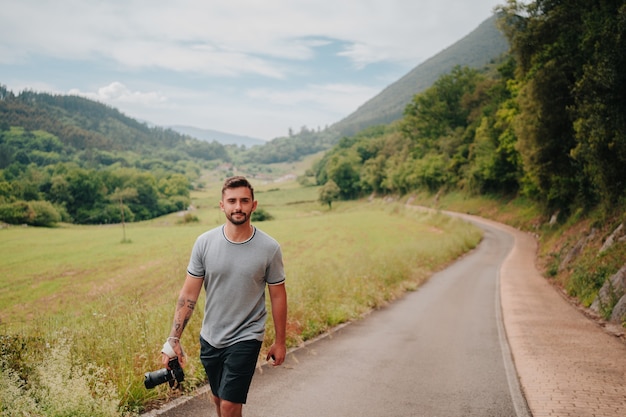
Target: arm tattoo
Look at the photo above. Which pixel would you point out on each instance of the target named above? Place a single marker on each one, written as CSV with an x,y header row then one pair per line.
x,y
178,327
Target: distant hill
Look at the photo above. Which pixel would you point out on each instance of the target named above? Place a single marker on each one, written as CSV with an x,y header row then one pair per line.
x,y
80,125
221,137
476,50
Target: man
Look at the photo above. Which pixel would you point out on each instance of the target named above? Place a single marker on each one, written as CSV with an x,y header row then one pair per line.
x,y
234,263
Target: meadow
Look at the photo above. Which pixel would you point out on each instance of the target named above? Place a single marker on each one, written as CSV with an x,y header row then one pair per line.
x,y
83,313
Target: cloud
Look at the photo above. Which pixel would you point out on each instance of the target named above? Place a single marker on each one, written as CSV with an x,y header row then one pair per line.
x,y
336,98
117,93
227,37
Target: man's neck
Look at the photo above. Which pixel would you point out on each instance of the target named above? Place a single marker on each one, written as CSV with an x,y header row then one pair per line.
x,y
238,233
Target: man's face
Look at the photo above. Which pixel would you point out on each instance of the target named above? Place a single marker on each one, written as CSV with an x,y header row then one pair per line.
x,y
237,205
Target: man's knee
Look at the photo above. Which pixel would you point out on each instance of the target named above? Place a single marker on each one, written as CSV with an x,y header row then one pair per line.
x,y
230,409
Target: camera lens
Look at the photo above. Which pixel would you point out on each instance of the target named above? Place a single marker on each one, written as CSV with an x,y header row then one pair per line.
x,y
152,379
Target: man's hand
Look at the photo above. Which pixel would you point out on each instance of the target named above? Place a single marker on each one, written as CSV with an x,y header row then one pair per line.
x,y
277,353
177,351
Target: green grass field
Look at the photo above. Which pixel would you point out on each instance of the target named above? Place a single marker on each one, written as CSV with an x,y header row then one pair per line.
x,y
78,298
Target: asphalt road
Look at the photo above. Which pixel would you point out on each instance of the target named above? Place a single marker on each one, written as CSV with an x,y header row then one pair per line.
x,y
438,351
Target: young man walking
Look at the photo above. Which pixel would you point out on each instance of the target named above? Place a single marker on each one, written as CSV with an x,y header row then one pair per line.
x,y
234,263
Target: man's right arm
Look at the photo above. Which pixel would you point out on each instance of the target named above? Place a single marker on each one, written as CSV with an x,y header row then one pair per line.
x,y
184,309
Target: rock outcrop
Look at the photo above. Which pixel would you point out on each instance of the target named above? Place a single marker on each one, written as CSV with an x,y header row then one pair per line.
x,y
612,295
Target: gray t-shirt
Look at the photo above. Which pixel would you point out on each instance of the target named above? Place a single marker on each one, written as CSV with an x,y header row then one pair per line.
x,y
235,275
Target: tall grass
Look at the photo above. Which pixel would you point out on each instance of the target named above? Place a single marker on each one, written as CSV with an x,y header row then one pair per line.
x,y
98,310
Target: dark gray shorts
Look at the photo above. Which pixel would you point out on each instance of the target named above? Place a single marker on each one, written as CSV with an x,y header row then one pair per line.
x,y
230,369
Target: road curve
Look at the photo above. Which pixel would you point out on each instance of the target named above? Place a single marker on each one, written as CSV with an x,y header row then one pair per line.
x,y
438,351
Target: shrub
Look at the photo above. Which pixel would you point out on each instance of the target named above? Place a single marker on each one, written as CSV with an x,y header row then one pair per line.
x,y
35,213
586,282
261,215
18,212
189,218
60,386
45,213
13,400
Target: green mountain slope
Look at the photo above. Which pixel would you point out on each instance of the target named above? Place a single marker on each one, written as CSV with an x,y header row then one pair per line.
x,y
482,46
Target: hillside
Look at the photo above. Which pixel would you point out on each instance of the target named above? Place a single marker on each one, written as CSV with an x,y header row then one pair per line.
x,y
73,160
79,124
480,47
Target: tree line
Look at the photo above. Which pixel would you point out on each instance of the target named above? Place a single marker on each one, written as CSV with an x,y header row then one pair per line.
x,y
65,192
547,122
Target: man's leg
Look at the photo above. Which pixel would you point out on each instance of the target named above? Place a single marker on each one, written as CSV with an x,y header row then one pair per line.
x,y
226,408
218,404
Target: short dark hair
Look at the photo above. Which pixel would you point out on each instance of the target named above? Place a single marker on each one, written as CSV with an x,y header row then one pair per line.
x,y
236,182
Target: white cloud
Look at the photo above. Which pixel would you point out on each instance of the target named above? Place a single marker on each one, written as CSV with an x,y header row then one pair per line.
x,y
117,93
337,98
167,34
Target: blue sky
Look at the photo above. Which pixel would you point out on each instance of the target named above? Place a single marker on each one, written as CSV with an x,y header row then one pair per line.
x,y
247,67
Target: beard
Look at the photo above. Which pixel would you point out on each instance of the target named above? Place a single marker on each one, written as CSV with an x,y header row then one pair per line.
x,y
241,218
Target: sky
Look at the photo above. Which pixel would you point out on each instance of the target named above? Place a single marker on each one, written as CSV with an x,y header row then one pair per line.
x,y
256,68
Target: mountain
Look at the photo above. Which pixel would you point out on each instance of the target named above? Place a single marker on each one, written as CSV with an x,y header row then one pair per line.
x,y
482,46
209,135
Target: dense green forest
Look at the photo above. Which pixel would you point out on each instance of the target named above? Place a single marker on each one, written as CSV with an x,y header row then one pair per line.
x,y
548,123
66,158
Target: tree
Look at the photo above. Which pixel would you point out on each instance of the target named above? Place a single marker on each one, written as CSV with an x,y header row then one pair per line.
x,y
329,193
494,162
600,97
438,111
86,194
343,168
545,39
120,196
174,185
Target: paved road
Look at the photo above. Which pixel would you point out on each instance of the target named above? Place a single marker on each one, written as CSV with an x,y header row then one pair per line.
x,y
439,351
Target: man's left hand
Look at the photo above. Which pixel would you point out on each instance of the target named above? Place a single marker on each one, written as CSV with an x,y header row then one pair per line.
x,y
277,353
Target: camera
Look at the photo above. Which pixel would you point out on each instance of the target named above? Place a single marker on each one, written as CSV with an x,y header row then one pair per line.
x,y
174,375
